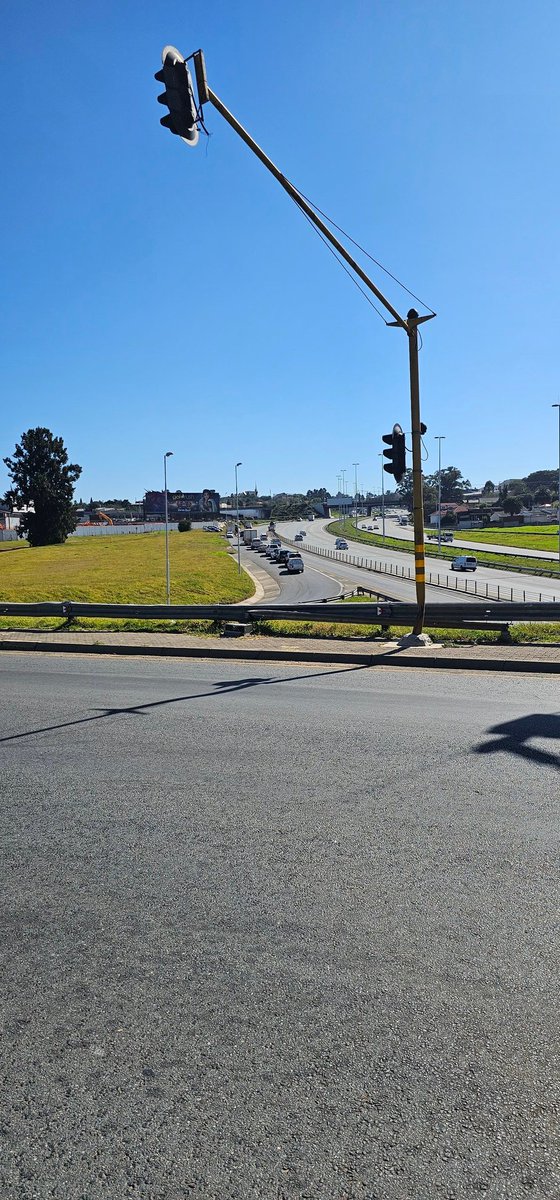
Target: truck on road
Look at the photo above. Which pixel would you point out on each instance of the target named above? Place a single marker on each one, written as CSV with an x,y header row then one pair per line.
x,y
250,535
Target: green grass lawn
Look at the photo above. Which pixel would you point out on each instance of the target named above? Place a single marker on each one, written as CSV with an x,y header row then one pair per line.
x,y
528,537
511,562
126,569
548,634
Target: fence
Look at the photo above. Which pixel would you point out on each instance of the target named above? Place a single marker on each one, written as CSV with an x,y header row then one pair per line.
x,y
111,530
457,583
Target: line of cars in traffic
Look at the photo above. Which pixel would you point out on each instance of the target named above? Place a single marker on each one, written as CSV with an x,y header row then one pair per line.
x,y
273,549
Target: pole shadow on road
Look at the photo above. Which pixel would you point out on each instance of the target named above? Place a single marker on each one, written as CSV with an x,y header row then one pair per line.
x,y
513,737
221,688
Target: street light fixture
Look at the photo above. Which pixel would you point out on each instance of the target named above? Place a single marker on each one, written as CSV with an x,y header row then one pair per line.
x,y
169,454
558,407
380,455
439,440
343,477
239,464
355,466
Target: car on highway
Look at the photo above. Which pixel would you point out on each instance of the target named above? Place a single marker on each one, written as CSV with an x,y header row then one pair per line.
x,y
298,537
464,562
282,556
303,533
294,564
274,552
341,544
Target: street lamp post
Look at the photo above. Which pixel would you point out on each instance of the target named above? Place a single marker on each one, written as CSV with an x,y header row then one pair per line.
x,y
439,440
343,477
237,511
169,454
558,407
355,466
380,455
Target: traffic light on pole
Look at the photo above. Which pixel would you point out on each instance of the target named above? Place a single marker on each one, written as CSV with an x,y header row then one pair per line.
x,y
178,96
396,454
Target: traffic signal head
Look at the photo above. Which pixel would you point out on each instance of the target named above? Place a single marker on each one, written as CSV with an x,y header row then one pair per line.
x,y
178,96
396,454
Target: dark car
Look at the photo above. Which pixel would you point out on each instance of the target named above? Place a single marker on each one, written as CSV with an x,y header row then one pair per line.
x,y
283,557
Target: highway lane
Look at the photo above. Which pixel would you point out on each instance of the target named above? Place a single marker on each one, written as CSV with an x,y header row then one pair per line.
x,y
406,532
311,584
349,577
532,586
278,931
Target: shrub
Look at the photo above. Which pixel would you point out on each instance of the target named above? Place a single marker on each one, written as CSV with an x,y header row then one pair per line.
x,y
184,526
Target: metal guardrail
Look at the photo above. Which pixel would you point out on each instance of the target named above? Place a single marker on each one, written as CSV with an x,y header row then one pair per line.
x,y
470,586
383,613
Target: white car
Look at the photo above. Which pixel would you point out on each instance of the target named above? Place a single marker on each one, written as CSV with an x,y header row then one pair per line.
x,y
294,564
464,562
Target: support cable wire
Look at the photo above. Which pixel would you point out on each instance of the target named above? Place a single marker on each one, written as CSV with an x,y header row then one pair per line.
x,y
342,264
366,252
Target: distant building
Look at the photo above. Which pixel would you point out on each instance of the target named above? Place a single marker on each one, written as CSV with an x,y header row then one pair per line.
x,y
194,505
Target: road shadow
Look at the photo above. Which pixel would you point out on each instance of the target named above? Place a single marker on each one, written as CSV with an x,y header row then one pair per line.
x,y
514,737
221,688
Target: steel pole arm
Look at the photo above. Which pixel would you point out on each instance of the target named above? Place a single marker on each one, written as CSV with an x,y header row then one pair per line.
x,y
305,207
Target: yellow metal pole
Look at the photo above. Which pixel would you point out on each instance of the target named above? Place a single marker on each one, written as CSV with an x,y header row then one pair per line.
x,y
418,507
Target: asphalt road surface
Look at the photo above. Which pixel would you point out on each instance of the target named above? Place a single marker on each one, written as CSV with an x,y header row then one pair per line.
x,y
312,583
534,586
278,931
347,576
393,529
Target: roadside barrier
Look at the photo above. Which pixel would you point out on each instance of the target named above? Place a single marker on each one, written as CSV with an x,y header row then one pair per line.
x,y
383,613
457,582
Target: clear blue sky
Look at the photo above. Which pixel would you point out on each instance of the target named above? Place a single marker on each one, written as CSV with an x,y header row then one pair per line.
x,y
162,297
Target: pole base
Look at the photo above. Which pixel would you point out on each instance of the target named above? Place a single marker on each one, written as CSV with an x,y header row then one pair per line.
x,y
414,639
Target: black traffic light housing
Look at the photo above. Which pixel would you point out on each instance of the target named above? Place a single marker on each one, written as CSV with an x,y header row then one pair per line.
x,y
396,454
178,96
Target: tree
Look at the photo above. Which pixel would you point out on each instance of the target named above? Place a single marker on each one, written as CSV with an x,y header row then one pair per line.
x,y
43,478
543,496
405,490
512,505
489,488
452,484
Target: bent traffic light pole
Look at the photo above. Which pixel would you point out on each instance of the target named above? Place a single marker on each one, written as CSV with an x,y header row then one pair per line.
x,y
409,324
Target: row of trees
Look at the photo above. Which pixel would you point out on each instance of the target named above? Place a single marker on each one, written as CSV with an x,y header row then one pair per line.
x,y
43,480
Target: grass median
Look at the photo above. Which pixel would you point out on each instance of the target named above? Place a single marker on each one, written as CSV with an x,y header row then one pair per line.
x,y
509,562
124,569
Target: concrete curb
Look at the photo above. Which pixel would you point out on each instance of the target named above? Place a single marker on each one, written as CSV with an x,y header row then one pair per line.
x,y
240,650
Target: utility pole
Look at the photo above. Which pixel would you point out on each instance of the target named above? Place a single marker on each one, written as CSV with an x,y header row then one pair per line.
x,y
380,455
439,440
355,466
169,454
237,511
558,407
180,125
